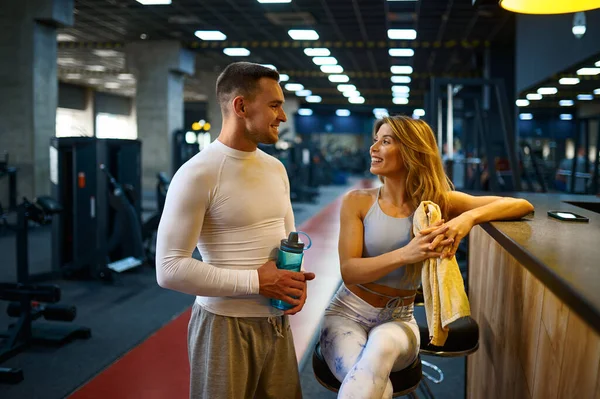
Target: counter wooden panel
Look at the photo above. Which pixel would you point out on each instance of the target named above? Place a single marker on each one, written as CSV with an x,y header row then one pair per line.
x,y
531,344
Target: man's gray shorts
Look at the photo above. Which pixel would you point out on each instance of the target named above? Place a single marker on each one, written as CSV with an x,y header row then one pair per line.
x,y
241,358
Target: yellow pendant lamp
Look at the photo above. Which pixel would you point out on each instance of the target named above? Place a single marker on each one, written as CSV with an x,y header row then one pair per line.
x,y
549,6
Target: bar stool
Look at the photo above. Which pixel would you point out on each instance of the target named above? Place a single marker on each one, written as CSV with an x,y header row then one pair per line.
x,y
463,339
405,381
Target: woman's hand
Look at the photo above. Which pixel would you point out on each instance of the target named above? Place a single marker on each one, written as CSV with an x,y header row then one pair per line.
x,y
423,245
458,228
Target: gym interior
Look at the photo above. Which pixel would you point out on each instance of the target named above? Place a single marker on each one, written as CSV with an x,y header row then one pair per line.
x,y
102,101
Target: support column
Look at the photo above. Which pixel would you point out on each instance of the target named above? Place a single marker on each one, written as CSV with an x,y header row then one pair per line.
x,y
159,68
290,107
213,109
29,88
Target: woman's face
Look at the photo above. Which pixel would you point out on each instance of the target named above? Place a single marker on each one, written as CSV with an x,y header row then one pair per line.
x,y
385,153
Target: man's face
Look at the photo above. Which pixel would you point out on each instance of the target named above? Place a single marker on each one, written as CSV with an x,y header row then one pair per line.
x,y
265,113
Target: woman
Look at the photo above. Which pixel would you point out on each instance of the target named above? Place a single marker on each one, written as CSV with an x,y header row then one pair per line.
x,y
369,329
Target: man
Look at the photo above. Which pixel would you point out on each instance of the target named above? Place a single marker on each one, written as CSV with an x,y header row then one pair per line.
x,y
232,201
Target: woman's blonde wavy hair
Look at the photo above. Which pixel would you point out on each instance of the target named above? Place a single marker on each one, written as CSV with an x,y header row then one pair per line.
x,y
425,178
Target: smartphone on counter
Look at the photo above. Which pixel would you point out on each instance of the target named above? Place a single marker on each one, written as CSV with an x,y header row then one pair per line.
x,y
568,216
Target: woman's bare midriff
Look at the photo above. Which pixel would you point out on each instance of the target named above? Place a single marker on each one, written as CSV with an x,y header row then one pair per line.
x,y
380,301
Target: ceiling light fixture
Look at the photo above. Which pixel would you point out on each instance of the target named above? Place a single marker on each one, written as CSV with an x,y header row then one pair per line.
x,y
568,81
402,34
236,51
401,69
303,34
400,79
548,7
154,2
588,71
401,52
210,35
317,52
338,78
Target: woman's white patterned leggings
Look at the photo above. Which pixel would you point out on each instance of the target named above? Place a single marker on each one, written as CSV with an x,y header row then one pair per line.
x,y
362,345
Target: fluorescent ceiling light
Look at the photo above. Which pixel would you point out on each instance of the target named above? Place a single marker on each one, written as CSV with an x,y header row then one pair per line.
x,y
534,96
126,76
522,103
568,81
63,37
305,111
525,117
313,99
96,68
346,88
566,117
380,112
66,61
274,1
270,66
332,69
400,89
597,92
283,77
210,35
566,103
401,52
236,51
400,100
112,85
342,112
402,34
106,53
356,100
588,71
317,52
401,70
325,60
338,78
73,76
419,112
351,93
294,86
585,97
547,90
400,94
400,79
154,2
303,34
303,93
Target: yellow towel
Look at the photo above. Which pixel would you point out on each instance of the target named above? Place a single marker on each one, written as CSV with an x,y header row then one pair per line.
x,y
443,286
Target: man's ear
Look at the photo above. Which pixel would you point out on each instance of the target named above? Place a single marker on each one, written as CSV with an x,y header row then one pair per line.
x,y
239,106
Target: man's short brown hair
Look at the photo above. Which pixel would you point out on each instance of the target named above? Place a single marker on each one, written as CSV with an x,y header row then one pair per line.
x,y
241,78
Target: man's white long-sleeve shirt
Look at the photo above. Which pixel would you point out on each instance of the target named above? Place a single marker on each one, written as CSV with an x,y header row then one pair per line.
x,y
235,207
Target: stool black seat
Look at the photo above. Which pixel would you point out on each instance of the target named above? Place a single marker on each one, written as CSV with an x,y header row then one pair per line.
x,y
404,381
463,339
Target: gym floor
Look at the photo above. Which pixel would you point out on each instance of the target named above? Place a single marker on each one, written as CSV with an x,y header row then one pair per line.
x,y
138,343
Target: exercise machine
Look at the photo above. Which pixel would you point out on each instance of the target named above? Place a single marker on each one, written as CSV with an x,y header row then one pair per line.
x,y
30,302
86,240
125,249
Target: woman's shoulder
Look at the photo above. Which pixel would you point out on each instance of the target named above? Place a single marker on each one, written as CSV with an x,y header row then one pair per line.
x,y
361,199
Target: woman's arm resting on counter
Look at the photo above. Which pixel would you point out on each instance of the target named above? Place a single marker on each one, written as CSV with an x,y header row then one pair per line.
x,y
467,210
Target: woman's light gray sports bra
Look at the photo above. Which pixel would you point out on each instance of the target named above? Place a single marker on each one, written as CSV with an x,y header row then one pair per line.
x,y
383,233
